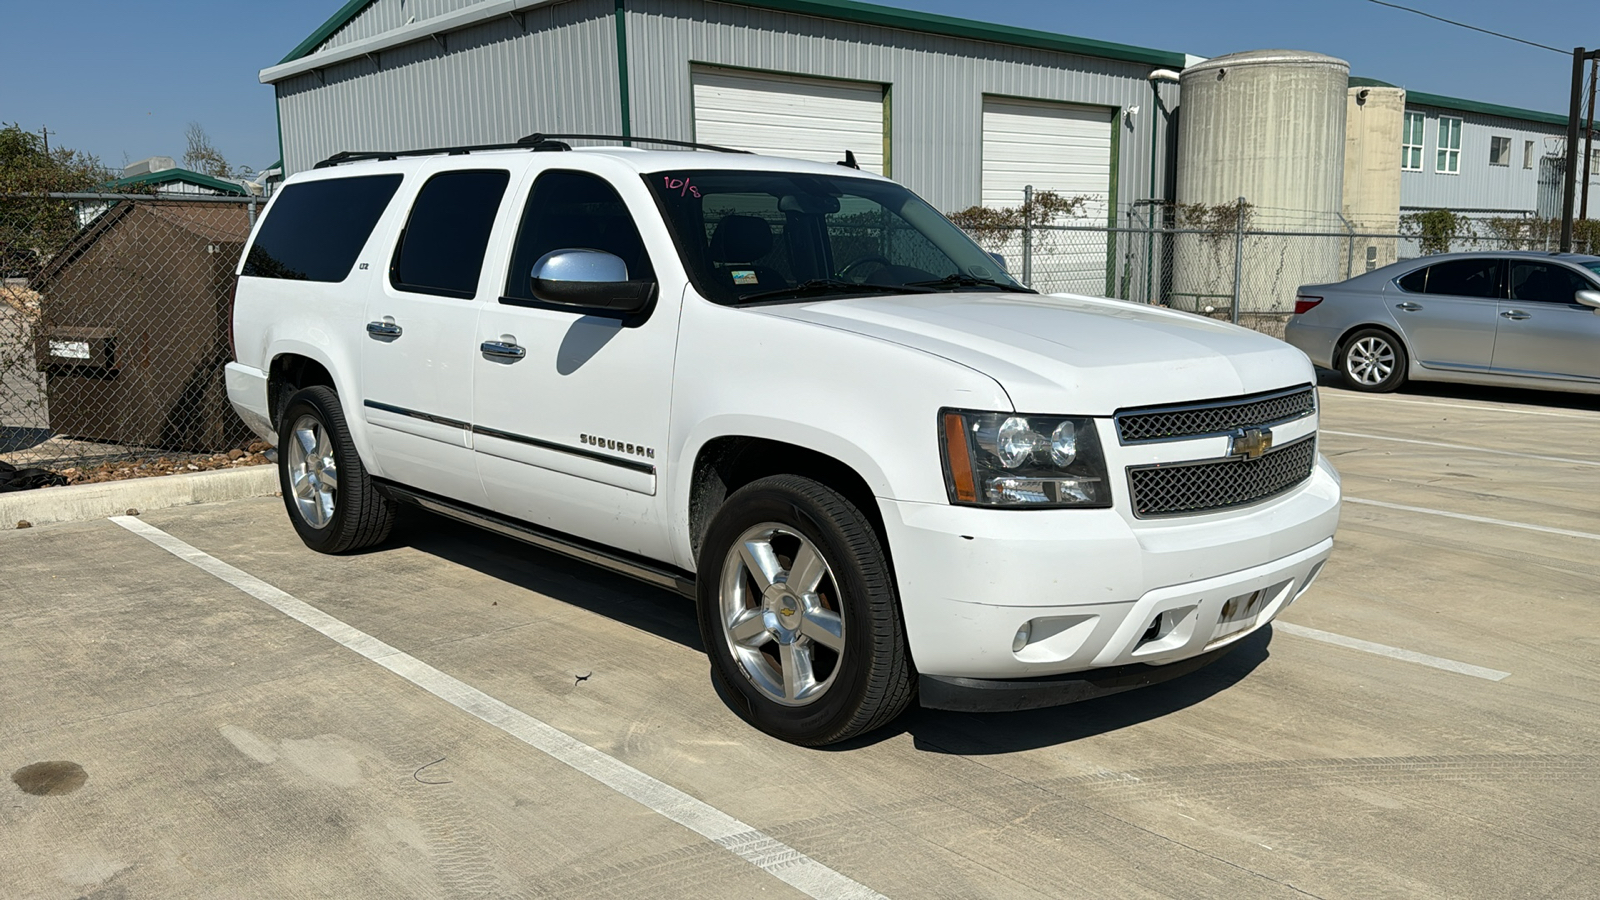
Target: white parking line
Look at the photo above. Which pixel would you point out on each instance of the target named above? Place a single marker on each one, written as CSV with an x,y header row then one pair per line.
x,y
1504,523
1507,409
1437,662
1471,449
777,859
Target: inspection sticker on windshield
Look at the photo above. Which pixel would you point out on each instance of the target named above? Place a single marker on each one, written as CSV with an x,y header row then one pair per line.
x,y
744,276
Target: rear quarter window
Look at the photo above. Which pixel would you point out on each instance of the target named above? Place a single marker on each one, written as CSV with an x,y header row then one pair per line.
x,y
317,228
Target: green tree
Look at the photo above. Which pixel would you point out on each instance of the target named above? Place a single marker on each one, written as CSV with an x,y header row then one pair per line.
x,y
33,227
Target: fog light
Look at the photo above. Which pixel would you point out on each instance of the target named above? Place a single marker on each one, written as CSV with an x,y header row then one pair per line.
x,y
1021,640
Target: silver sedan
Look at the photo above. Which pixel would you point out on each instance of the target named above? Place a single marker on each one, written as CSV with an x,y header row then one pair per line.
x,y
1518,319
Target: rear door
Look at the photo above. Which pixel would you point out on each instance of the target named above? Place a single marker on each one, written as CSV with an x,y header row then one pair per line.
x,y
422,317
1544,332
1447,312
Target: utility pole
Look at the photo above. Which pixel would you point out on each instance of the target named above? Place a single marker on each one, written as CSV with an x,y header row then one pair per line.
x,y
1570,176
44,130
1588,140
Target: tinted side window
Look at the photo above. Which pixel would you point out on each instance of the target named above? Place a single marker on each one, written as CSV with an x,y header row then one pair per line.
x,y
1546,282
318,227
1414,282
441,250
574,211
1465,278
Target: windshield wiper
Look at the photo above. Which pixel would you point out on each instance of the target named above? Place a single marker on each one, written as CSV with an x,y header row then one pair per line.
x,y
960,280
821,286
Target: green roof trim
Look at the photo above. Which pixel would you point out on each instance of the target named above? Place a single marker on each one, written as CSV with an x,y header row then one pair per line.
x,y
167,176
872,14
335,22
1457,104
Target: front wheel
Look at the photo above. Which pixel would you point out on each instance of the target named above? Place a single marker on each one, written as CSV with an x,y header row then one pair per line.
x,y
799,615
332,501
1373,361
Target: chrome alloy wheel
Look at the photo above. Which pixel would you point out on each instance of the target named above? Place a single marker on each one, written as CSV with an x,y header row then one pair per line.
x,y
781,614
313,474
1370,361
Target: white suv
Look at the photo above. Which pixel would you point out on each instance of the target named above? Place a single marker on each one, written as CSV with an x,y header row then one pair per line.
x,y
795,393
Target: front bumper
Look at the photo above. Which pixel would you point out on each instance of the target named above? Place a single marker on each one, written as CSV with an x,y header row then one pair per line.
x,y
1095,590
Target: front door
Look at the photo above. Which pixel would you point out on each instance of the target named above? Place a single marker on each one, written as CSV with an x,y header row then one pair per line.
x,y
1544,332
1447,312
417,359
570,411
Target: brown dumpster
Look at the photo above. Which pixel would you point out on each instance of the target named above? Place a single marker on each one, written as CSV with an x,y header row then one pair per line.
x,y
133,331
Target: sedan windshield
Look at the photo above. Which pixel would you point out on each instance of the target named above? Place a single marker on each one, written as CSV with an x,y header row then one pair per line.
x,y
754,237
1593,266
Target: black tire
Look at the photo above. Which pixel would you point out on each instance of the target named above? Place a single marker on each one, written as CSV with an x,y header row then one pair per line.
x,y
870,681
361,516
1372,360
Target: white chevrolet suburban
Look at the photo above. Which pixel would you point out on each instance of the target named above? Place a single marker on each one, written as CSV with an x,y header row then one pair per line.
x,y
795,393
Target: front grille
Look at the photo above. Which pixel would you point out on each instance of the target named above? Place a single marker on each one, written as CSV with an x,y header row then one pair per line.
x,y
1215,417
1183,488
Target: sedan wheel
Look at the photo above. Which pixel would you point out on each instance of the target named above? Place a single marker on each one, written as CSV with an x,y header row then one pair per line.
x,y
1373,361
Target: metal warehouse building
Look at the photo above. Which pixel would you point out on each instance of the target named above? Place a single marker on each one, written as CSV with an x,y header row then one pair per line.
x,y
962,112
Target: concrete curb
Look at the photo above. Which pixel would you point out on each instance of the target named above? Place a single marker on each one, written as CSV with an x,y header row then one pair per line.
x,y
81,502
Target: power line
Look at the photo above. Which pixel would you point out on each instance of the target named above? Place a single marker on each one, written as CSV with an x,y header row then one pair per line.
x,y
1471,27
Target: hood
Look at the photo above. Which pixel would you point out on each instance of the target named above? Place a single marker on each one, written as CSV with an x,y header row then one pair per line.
x,y
1070,354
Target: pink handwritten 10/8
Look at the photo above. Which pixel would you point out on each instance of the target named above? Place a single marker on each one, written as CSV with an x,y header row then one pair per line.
x,y
682,186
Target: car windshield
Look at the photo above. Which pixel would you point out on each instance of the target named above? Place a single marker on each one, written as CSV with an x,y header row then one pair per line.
x,y
1593,266
752,237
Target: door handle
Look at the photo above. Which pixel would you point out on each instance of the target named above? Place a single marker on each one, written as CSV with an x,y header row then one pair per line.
x,y
1515,314
1408,306
502,350
383,329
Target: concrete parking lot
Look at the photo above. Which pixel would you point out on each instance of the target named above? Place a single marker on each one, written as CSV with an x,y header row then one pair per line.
x,y
477,718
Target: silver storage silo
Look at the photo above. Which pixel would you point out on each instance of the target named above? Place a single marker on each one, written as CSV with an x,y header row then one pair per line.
x,y
1375,119
1268,126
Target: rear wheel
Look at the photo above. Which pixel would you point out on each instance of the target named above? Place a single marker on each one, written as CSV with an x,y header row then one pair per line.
x,y
799,614
332,502
1372,360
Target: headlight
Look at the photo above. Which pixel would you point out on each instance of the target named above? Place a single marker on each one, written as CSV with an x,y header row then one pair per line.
x,y
1006,459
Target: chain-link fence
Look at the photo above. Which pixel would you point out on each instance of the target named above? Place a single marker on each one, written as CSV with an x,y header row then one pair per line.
x,y
114,308
114,332
1245,266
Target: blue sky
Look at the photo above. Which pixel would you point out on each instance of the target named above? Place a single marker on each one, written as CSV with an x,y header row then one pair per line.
x,y
123,80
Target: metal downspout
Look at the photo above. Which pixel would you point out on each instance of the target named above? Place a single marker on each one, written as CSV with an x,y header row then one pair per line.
x,y
621,20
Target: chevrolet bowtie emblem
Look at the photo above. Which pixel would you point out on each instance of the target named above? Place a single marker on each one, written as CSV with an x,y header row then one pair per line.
x,y
1250,443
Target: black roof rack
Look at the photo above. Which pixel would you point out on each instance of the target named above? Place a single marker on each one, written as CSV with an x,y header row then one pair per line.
x,y
535,142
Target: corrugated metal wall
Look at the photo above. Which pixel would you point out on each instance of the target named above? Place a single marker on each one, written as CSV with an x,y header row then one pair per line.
x,y
936,84
495,82
387,15
1479,186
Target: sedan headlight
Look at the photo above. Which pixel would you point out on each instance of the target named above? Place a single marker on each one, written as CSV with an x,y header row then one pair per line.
x,y
1013,460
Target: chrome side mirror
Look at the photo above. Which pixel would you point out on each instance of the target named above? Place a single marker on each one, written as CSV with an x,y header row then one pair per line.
x,y
1590,299
589,279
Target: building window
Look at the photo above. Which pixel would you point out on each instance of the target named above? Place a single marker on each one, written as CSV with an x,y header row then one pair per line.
x,y
1449,145
1527,154
1411,143
1499,151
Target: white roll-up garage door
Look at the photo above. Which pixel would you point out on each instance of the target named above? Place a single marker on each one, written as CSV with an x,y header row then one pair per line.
x,y
1053,147
779,115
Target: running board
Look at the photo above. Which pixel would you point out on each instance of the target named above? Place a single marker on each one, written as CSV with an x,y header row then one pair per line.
x,y
644,570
